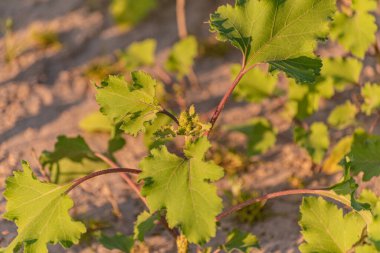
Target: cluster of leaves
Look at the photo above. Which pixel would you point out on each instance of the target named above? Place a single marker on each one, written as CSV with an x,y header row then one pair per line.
x,y
178,178
322,222
304,99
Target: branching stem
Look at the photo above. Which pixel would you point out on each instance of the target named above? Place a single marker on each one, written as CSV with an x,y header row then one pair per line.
x,y
224,100
124,176
325,193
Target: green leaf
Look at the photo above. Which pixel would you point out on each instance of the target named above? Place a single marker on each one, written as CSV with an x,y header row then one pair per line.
x,y
373,229
240,241
325,88
118,241
325,229
366,249
303,100
340,72
135,104
183,186
364,6
145,222
117,141
130,12
302,69
261,136
371,95
95,122
374,232
356,32
40,211
364,155
343,147
71,159
369,197
343,115
151,140
315,140
347,187
280,32
139,54
98,122
255,86
181,56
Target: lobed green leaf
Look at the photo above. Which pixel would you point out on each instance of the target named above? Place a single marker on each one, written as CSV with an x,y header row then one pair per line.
x,y
355,31
364,155
371,95
133,105
325,229
40,211
240,241
282,33
183,186
315,140
261,135
138,54
117,242
181,56
343,115
70,159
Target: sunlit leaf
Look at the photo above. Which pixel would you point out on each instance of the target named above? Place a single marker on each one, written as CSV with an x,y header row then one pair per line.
x,y
130,12
40,211
316,140
183,186
281,32
325,229
70,159
134,105
371,95
255,86
181,56
343,115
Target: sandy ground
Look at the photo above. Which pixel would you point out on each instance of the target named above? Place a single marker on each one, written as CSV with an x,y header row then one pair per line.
x,y
44,93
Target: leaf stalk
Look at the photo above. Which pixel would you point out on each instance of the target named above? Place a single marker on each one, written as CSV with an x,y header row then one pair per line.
x,y
226,96
100,173
324,193
169,114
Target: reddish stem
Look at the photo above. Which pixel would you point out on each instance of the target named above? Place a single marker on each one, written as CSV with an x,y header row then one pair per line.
x,y
165,77
249,202
136,189
181,18
100,173
224,100
126,178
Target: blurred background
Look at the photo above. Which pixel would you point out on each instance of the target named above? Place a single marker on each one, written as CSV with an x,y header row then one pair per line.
x,y
53,52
